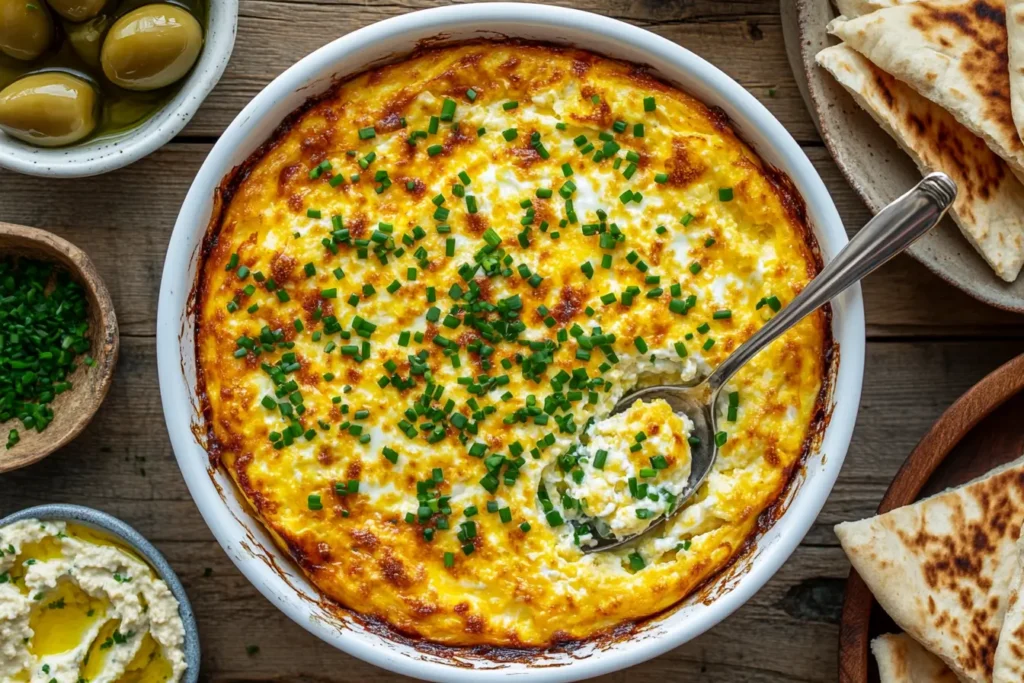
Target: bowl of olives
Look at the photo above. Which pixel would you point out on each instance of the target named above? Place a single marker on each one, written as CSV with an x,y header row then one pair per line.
x,y
88,86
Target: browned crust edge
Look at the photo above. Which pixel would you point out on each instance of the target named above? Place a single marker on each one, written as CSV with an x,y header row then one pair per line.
x,y
794,205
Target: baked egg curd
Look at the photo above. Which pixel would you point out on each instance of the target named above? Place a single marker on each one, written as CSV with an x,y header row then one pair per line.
x,y
629,472
420,301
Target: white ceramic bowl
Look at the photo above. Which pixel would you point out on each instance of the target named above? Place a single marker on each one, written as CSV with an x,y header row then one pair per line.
x,y
242,536
104,155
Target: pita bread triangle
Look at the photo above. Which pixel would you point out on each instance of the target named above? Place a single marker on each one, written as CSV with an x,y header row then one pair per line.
x,y
855,8
1015,45
955,53
989,207
941,567
901,659
1009,661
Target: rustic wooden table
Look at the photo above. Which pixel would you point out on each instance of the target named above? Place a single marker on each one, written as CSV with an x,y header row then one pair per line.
x,y
927,343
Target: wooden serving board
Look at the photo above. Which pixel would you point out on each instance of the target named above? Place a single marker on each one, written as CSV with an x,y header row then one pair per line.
x,y
982,430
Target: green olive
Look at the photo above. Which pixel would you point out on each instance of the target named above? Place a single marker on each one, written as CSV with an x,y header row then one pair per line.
x,y
48,109
151,47
25,28
87,37
77,10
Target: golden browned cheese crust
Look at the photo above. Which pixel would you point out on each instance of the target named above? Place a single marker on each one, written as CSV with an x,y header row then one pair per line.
x,y
406,323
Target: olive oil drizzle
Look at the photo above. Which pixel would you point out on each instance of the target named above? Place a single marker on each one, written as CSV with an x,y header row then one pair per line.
x,y
62,616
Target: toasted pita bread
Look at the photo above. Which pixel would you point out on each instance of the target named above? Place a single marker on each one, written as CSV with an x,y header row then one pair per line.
x,y
901,659
954,52
989,207
1015,49
1009,662
855,8
941,567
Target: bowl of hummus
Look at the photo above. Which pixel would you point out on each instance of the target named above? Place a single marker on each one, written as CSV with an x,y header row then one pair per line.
x,y
83,596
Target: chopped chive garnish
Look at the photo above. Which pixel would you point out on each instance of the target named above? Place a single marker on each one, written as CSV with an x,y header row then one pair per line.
x,y
636,562
448,110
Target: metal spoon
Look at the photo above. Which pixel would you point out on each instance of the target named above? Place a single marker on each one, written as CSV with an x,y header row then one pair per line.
x,y
891,231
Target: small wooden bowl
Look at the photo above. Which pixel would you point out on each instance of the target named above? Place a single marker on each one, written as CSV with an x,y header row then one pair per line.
x,y
74,408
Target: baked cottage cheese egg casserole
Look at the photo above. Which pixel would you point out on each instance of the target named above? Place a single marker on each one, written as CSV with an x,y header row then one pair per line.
x,y
420,302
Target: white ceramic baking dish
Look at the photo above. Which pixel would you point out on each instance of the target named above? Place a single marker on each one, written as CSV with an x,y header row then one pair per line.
x,y
242,536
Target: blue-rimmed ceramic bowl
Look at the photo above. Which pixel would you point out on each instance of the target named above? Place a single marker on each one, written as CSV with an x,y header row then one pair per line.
x,y
101,521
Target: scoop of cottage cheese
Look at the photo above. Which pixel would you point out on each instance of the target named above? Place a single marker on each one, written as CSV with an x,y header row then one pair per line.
x,y
628,471
76,606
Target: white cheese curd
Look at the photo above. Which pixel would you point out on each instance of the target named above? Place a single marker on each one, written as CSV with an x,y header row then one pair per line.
x,y
76,606
628,471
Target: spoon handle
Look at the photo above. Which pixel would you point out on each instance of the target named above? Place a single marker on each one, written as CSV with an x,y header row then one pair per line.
x,y
891,231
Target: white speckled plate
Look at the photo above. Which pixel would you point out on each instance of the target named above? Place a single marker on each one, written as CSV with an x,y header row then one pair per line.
x,y
872,162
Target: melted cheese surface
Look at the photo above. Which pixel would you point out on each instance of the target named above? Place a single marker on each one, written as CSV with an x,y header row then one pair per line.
x,y
423,291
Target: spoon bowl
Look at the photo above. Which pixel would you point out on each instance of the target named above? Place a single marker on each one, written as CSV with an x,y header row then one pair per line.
x,y
696,403
74,408
892,230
